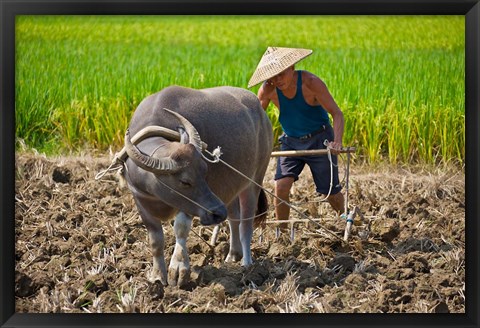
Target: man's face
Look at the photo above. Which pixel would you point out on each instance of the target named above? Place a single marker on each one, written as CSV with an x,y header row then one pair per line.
x,y
283,79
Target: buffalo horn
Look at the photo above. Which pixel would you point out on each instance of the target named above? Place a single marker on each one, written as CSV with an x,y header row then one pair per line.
x,y
152,164
193,134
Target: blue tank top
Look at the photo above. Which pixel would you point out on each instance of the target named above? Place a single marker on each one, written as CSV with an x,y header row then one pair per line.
x,y
297,117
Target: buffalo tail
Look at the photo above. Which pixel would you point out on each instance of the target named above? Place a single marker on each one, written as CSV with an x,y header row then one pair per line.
x,y
262,211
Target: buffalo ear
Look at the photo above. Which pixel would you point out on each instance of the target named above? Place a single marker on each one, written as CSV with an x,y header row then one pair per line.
x,y
184,137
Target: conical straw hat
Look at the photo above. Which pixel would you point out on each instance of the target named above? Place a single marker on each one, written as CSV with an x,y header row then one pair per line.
x,y
275,60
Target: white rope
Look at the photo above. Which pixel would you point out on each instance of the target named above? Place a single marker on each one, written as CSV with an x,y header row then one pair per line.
x,y
185,197
216,158
217,152
116,165
329,154
273,195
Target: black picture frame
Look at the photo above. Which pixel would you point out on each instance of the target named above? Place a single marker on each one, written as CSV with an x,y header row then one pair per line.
x,y
10,9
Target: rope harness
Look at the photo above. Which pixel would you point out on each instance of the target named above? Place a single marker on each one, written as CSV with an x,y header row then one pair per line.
x,y
118,164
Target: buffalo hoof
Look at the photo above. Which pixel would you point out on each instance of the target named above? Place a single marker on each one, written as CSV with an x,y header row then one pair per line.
x,y
233,257
156,275
178,274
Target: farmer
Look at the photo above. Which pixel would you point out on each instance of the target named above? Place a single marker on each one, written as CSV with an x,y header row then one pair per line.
x,y
304,103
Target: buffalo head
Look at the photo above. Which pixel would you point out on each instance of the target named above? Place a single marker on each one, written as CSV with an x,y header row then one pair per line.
x,y
179,174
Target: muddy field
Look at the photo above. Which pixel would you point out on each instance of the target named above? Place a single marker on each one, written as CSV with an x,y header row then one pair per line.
x,y
81,247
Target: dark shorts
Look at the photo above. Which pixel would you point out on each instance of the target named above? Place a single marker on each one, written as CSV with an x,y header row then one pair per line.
x,y
319,165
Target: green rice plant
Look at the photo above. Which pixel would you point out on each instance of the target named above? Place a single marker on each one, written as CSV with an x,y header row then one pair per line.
x,y
450,132
273,115
405,140
374,134
393,135
398,79
84,120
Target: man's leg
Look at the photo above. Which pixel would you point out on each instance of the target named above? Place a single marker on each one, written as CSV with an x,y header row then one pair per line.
x,y
321,169
288,170
282,191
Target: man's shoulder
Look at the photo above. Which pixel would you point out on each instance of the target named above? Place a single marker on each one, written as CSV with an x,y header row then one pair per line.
x,y
309,77
312,82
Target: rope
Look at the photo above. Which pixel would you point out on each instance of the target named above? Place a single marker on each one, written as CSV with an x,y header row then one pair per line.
x,y
217,152
118,164
273,195
329,154
186,197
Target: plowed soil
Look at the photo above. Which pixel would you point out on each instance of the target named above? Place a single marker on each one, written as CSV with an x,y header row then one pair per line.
x,y
81,247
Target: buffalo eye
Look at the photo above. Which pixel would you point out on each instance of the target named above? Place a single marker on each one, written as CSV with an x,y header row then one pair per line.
x,y
185,183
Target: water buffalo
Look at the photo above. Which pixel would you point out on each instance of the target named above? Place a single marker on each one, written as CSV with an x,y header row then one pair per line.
x,y
170,179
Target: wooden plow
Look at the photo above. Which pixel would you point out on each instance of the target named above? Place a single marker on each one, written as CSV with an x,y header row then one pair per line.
x,y
349,216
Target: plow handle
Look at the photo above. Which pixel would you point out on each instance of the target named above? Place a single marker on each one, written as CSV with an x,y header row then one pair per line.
x,y
310,152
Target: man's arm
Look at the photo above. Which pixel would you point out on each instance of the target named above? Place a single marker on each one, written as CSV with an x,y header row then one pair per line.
x,y
264,95
325,99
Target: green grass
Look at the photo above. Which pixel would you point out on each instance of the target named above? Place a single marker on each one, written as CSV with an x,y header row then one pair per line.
x,y
398,79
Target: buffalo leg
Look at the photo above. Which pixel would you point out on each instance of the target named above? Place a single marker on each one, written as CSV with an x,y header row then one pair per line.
x,y
248,205
179,269
235,253
157,244
241,227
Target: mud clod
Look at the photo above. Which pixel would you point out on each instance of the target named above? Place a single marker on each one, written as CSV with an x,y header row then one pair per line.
x,y
82,247
61,175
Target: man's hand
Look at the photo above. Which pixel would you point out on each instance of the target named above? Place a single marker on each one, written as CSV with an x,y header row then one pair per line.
x,y
335,147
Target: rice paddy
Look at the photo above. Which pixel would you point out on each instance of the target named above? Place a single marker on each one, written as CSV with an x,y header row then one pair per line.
x,y
398,79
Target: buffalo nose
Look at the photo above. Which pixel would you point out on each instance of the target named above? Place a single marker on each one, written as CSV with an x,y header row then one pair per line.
x,y
219,214
214,216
